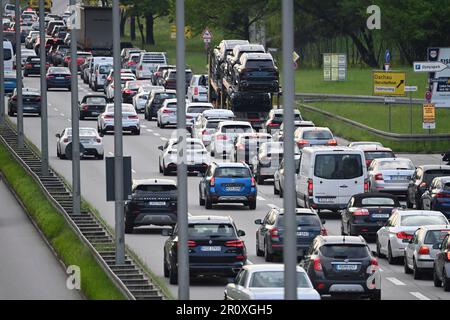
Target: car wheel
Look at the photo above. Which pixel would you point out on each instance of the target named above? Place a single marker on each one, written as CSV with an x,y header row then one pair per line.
x,y
165,268
259,253
129,226
81,117
259,179
281,192
137,132
165,170
342,229
173,276
252,205
268,257
445,282
162,126
406,269
275,190
208,203
379,254
100,156
201,201
409,204
436,281
417,273
390,257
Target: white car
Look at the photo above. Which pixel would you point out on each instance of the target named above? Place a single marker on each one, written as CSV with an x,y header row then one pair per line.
x,y
222,142
142,96
197,156
90,140
193,110
198,88
206,124
266,282
25,53
110,89
167,114
130,119
394,236
148,63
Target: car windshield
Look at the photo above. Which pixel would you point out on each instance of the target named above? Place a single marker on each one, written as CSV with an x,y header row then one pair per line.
x,y
96,100
317,135
212,124
435,236
378,201
431,174
105,69
370,155
59,70
84,132
164,95
422,220
302,220
396,165
7,54
338,166
213,230
237,129
275,279
155,188
231,172
197,109
345,251
257,64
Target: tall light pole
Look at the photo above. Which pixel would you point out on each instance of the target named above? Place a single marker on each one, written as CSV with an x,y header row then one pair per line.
x,y
19,78
44,115
289,200
2,70
118,140
76,184
183,254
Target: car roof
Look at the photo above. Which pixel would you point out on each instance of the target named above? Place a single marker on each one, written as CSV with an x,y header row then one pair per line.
x,y
365,195
371,147
419,213
257,56
435,227
217,113
199,104
319,149
307,211
314,129
342,240
392,159
445,179
433,167
154,182
280,111
255,135
231,165
210,219
230,123
229,44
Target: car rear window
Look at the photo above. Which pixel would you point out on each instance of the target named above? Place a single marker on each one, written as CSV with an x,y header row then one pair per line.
x,y
232,173
256,64
378,201
105,69
96,100
155,188
396,165
163,96
7,54
317,135
431,174
370,155
446,186
219,230
212,124
197,109
422,220
275,279
435,236
338,166
59,70
302,220
345,251
236,129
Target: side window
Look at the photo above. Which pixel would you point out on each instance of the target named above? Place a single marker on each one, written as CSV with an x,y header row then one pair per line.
x,y
238,278
445,244
416,236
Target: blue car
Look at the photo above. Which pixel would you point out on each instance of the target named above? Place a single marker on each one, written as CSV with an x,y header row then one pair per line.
x,y
10,82
228,183
437,197
59,77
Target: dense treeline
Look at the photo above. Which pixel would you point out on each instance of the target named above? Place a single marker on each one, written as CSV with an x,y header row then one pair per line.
x,y
408,27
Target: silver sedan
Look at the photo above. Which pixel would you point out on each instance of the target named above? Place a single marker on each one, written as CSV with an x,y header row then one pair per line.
x,y
91,144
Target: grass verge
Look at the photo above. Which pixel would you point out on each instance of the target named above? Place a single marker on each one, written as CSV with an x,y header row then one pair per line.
x,y
351,133
95,284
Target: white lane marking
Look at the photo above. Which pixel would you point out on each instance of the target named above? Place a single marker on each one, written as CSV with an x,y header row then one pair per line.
x,y
143,126
420,296
134,171
62,114
56,109
164,139
156,134
396,281
148,130
110,153
69,120
260,198
49,104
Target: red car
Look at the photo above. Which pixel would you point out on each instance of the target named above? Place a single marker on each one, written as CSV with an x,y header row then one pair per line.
x,y
81,58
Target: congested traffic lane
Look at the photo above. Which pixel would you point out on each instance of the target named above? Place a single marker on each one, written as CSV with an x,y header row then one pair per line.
x,y
147,242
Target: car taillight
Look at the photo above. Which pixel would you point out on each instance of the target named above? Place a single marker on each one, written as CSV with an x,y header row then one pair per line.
x,y
368,162
302,142
366,186
68,76
140,68
128,91
66,140
158,73
212,182
361,212
109,78
310,187
404,236
448,256
317,264
374,262
274,233
108,116
84,107
131,63
323,231
221,137
49,76
98,140
442,195
28,65
253,182
191,244
235,243
205,132
379,177
14,98
195,91
167,111
424,250
272,124
332,142
133,117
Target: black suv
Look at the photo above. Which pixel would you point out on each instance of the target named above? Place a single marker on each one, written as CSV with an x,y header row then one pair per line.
x,y
422,178
343,266
153,202
155,102
270,234
215,248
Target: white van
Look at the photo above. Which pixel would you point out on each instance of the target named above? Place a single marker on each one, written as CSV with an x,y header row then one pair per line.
x,y
148,63
8,55
329,176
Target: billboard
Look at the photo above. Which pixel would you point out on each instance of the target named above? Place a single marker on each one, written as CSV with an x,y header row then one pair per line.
x,y
439,82
334,67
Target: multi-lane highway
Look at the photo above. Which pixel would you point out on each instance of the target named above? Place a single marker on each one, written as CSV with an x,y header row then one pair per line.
x,y
28,268
148,242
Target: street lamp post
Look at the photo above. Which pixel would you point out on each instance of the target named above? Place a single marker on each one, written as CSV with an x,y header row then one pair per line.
x,y
44,116
19,78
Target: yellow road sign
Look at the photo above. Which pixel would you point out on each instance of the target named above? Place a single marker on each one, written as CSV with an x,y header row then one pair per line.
x,y
389,83
187,32
429,113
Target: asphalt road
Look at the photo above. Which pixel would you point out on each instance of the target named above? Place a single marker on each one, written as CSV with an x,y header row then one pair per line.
x,y
148,242
28,268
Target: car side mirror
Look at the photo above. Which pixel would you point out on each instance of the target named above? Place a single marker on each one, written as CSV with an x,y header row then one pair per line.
x,y
58,135
166,232
101,134
161,148
258,221
241,233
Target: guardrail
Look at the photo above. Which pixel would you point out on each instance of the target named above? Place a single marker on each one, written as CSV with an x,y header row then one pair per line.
x,y
129,278
380,133
314,97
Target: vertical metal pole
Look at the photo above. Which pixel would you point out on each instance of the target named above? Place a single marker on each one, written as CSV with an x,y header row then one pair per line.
x,y
390,118
44,116
76,188
118,140
410,112
2,71
19,78
183,254
289,201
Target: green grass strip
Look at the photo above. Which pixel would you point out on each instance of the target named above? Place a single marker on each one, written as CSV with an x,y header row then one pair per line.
x,y
95,284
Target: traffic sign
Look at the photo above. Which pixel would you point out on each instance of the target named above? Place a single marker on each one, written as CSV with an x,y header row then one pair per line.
x,y
426,66
389,83
428,96
207,36
411,88
387,56
429,116
295,56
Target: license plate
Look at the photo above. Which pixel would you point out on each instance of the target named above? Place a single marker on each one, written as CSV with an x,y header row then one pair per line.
x,y
302,234
85,141
233,188
346,267
326,200
397,178
156,203
95,113
59,78
211,248
380,215
37,65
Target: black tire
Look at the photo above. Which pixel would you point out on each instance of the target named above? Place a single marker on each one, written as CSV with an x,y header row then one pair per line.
x,y
390,258
268,257
208,203
100,156
417,273
406,269
25,74
165,268
137,132
173,276
259,179
436,281
129,226
275,190
162,126
281,192
445,282
201,201
252,205
259,253
165,171
409,204
81,116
